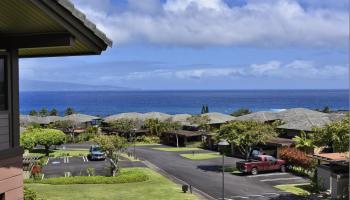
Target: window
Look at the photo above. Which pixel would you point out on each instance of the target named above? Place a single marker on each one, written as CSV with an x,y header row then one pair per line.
x,y
270,158
3,85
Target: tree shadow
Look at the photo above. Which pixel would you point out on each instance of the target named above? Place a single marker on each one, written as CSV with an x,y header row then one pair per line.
x,y
290,197
218,168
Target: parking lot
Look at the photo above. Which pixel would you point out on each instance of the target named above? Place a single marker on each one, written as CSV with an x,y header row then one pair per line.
x,y
277,178
78,166
75,166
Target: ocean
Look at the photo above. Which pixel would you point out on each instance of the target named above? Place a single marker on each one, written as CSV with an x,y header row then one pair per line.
x,y
175,102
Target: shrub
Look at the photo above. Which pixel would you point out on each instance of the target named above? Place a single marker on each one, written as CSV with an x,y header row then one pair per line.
x,y
297,159
126,176
147,139
30,194
85,137
36,170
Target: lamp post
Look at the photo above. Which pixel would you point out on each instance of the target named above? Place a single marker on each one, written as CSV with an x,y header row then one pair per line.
x,y
222,144
134,138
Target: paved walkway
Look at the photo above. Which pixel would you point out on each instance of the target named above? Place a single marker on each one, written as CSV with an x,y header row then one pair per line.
x,y
205,176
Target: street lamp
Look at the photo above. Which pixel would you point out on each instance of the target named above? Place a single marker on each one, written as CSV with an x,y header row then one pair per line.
x,y
222,144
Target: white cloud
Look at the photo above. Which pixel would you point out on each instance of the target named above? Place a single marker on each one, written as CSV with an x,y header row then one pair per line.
x,y
295,70
212,22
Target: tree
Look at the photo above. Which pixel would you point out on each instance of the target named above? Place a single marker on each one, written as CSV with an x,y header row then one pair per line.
x,y
205,109
240,112
246,134
69,111
172,127
28,140
45,137
335,135
111,144
53,112
43,112
66,126
202,121
326,109
304,141
155,126
33,113
124,126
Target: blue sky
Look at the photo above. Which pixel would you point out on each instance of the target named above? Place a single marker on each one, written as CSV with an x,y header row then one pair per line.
x,y
210,44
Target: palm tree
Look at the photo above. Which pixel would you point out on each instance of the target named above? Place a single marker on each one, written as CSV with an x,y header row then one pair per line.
x,y
304,142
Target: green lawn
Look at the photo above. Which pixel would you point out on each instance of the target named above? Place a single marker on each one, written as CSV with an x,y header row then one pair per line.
x,y
60,153
156,187
140,144
200,156
297,189
174,149
130,158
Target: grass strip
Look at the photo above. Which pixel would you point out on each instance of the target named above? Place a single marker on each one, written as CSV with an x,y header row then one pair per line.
x,y
297,189
175,149
200,156
128,175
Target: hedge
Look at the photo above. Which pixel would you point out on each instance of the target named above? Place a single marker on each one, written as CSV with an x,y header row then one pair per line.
x,y
130,175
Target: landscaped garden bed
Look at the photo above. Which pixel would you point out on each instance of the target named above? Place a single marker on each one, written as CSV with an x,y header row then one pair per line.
x,y
128,175
156,187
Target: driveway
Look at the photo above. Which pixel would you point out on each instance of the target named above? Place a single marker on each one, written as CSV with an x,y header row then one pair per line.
x,y
205,176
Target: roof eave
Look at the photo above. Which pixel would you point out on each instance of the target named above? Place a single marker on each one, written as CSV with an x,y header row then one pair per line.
x,y
75,22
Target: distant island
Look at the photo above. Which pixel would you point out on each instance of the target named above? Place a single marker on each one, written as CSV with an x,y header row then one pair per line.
x,y
37,86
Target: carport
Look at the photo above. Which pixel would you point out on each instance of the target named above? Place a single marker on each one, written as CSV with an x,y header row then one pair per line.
x,y
34,28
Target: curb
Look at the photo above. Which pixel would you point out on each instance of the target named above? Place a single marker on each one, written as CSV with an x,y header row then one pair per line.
x,y
202,195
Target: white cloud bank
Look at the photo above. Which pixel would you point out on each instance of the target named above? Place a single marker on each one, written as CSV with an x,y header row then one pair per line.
x,y
197,23
296,70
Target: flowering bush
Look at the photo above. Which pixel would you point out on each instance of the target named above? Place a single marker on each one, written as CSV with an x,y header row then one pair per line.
x,y
36,170
297,158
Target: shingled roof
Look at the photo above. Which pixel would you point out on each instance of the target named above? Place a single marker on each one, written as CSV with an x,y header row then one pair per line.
x,y
41,28
261,116
295,118
82,17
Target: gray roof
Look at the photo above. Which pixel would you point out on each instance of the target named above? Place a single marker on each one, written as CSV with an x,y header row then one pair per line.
x,y
295,118
41,28
218,118
156,115
181,118
80,118
130,115
303,119
82,17
25,120
261,116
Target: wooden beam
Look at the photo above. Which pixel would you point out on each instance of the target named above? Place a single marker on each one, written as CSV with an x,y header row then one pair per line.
x,y
37,40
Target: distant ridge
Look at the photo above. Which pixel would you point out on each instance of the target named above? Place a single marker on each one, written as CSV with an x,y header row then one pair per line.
x,y
37,86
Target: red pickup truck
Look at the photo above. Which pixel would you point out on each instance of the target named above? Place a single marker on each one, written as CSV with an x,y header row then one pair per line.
x,y
261,163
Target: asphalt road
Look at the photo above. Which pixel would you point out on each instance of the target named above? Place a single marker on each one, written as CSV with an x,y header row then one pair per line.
x,y
204,175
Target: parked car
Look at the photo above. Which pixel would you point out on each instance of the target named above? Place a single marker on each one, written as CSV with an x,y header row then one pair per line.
x,y
261,163
95,153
